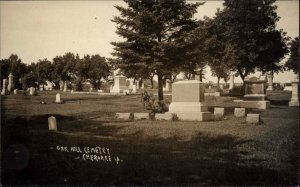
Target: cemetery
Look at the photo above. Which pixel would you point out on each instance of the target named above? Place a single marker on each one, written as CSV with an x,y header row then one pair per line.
x,y
253,144
158,93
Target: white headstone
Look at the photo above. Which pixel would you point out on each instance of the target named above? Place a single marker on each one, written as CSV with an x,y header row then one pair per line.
x,y
119,84
65,86
189,106
61,85
239,112
10,85
252,118
295,98
31,90
15,91
137,85
131,83
4,91
167,89
57,98
219,111
52,123
133,89
270,83
231,81
143,85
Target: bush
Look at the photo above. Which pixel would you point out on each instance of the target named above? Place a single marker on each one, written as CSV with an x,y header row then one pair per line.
x,y
150,103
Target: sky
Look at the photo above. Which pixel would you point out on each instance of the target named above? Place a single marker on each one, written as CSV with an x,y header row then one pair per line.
x,y
44,29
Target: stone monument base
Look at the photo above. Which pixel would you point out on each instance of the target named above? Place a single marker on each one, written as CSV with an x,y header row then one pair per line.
x,y
255,104
190,111
119,89
200,116
294,103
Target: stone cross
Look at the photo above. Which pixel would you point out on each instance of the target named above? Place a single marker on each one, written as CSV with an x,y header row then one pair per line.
x,y
295,98
52,123
10,85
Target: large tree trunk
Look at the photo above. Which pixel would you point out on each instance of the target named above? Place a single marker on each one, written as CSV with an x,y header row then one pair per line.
x,y
160,87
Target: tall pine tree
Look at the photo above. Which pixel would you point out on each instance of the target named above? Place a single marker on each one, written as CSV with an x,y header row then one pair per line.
x,y
152,30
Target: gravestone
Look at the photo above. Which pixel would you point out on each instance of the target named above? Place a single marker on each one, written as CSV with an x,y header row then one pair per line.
x,y
141,116
143,85
57,98
52,123
218,111
288,86
239,112
4,90
10,85
61,85
253,119
295,97
31,91
49,85
270,83
231,81
119,84
255,93
137,84
15,91
65,86
133,89
167,89
188,101
131,84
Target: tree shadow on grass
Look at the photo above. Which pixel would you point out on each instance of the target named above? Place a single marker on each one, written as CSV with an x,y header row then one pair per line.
x,y
203,160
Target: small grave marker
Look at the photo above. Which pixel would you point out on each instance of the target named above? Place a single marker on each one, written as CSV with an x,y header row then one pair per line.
x,y
52,123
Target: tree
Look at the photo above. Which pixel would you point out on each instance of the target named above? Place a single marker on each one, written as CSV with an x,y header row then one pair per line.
x,y
293,62
15,66
43,70
93,68
216,49
152,30
29,80
64,67
252,41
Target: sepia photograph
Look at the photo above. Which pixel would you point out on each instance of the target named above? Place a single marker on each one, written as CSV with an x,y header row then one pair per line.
x,y
149,93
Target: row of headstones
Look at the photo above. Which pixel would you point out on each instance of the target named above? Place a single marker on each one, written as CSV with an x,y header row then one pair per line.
x,y
10,86
218,113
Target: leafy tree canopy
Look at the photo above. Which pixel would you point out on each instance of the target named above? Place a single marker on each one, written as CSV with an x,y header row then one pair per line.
x,y
293,62
252,41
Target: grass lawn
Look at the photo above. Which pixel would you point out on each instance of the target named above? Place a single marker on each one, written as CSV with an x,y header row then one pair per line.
x,y
91,147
